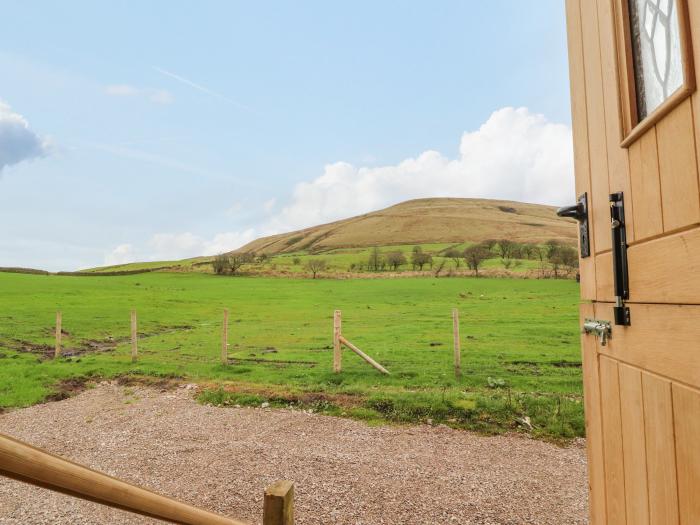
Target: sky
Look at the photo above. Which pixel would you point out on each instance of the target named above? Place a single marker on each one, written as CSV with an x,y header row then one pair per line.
x,y
161,130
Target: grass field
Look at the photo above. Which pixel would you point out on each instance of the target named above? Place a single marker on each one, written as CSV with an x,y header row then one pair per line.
x,y
519,338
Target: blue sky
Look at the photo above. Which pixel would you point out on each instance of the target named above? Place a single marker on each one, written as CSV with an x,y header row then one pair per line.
x,y
146,130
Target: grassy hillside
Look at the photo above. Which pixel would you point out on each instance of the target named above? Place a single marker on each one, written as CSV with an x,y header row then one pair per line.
x,y
424,221
434,224
519,339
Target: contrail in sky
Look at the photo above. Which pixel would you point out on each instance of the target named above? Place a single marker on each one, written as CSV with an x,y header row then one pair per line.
x,y
201,88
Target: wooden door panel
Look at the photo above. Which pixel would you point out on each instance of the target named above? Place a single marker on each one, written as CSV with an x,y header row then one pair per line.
x,y
664,339
594,428
686,415
597,143
618,159
634,445
678,168
646,191
661,452
662,270
580,134
613,458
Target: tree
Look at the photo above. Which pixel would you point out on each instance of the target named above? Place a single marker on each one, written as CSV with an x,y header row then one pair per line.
x,y
561,255
420,259
395,259
475,255
220,264
540,254
455,255
262,258
296,261
238,259
315,266
506,249
375,262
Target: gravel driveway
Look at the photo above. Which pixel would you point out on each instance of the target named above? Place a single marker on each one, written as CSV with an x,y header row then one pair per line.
x,y
345,471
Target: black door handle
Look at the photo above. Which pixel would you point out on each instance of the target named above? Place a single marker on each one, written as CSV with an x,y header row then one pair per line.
x,y
579,211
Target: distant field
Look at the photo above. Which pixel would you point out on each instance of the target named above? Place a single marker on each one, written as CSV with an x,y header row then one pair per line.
x,y
338,260
519,337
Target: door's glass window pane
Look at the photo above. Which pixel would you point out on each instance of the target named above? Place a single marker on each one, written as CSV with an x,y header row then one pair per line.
x,y
656,46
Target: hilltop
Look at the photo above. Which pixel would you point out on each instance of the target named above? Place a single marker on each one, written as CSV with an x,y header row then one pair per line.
x,y
426,221
435,224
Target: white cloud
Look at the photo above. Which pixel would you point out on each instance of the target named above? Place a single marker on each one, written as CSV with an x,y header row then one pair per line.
x,y
514,155
17,141
122,254
158,96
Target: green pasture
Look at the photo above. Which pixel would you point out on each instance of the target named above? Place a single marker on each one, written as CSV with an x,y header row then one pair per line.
x,y
520,359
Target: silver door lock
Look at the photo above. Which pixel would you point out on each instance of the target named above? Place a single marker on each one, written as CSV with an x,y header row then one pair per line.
x,y
601,329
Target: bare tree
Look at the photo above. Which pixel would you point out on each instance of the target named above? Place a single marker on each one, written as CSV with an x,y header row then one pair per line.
x,y
395,259
475,255
315,266
375,262
238,259
220,264
420,259
455,255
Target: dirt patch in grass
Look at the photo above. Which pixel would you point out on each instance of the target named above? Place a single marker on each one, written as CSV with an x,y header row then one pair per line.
x,y
68,388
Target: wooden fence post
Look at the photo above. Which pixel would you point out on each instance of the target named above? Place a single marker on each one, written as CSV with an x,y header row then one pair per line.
x,y
457,350
278,508
134,337
224,339
59,333
337,352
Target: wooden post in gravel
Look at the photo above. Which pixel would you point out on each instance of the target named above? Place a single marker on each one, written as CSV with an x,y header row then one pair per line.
x,y
457,350
134,337
224,339
278,508
337,352
59,333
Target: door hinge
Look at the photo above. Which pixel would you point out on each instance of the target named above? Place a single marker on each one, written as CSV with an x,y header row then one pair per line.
x,y
619,256
601,329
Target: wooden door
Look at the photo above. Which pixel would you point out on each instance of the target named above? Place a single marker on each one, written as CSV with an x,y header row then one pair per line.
x,y
642,388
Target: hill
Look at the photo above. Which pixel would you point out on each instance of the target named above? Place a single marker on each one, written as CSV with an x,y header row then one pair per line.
x,y
423,221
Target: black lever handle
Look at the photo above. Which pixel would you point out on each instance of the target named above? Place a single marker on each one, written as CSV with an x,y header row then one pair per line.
x,y
577,211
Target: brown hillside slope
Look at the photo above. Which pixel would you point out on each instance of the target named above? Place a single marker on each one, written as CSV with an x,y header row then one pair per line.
x,y
439,220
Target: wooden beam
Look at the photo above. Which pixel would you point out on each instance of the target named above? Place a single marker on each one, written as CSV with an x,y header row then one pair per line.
x,y
363,355
59,334
337,351
224,339
134,337
455,335
23,462
278,508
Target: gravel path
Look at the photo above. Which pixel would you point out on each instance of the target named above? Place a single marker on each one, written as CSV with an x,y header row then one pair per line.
x,y
345,471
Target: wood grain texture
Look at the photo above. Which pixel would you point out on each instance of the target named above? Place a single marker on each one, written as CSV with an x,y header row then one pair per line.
x,y
662,270
32,465
678,171
612,442
59,335
686,416
662,338
594,425
278,507
661,453
364,356
337,350
134,337
597,142
579,119
646,189
634,445
694,23
618,157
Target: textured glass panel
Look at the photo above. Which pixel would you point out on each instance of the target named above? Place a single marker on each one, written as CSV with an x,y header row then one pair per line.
x,y
656,46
